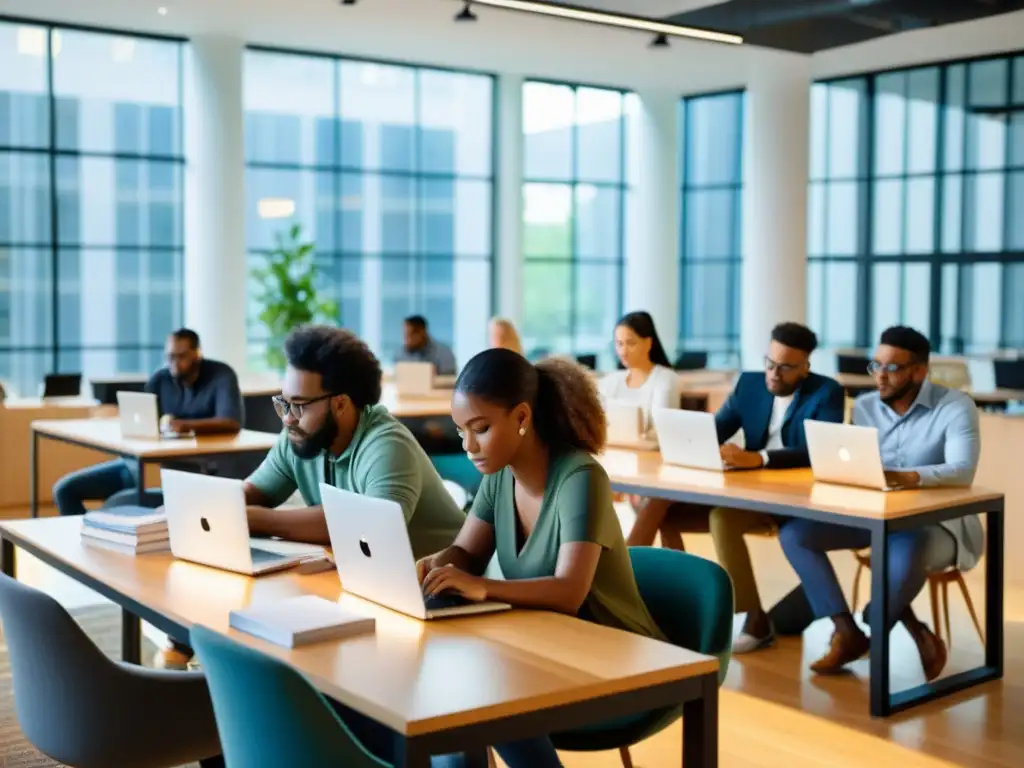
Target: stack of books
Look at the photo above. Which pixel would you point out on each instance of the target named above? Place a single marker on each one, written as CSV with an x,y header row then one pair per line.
x,y
132,530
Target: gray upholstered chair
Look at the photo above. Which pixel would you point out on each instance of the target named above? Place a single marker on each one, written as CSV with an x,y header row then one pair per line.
x,y
82,709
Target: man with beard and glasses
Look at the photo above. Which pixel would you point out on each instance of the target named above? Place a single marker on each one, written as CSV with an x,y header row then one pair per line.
x,y
928,436
770,407
337,432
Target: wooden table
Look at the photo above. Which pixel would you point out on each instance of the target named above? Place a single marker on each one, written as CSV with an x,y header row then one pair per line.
x,y
105,435
793,493
442,686
437,403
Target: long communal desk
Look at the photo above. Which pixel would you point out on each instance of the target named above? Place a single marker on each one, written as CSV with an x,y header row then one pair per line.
x,y
105,435
441,686
794,493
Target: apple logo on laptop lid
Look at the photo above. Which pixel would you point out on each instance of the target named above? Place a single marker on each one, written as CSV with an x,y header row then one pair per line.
x,y
844,455
364,547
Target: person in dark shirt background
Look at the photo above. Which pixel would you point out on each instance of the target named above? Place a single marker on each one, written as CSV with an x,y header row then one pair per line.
x,y
193,395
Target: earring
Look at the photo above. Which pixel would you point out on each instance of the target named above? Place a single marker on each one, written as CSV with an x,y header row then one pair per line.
x,y
522,431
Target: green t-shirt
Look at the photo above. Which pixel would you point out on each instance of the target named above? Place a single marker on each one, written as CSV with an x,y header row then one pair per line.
x,y
383,461
577,506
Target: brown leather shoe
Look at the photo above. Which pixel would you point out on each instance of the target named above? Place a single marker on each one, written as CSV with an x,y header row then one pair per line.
x,y
843,649
172,657
932,649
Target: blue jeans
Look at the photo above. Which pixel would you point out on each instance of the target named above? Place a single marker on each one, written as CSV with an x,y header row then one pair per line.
x,y
380,740
912,556
97,483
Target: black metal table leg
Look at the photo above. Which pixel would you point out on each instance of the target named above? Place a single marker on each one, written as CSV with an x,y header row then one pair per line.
x,y
700,726
7,561
409,754
33,479
879,620
141,488
131,637
994,586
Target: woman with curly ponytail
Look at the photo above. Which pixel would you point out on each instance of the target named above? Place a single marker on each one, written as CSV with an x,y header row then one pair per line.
x,y
545,505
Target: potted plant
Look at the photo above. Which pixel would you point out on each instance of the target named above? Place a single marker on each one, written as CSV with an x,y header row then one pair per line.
x,y
287,291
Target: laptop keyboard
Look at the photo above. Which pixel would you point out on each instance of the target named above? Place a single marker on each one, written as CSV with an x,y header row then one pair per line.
x,y
262,556
438,602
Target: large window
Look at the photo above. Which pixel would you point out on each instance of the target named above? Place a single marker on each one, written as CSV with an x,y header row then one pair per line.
x,y
574,188
711,157
91,201
388,170
917,203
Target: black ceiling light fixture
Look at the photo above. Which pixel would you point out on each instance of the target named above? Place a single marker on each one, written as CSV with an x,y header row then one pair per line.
x,y
660,41
466,14
347,2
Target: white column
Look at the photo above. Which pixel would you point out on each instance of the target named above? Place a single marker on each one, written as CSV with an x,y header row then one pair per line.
x,y
775,167
216,269
652,214
509,220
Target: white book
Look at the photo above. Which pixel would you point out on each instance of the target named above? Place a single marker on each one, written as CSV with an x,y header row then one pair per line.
x,y
128,539
128,549
299,620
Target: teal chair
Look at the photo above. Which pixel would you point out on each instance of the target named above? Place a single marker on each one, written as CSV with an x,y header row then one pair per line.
x,y
691,600
269,715
457,468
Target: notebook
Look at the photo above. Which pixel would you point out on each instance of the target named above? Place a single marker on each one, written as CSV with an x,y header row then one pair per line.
x,y
300,620
127,519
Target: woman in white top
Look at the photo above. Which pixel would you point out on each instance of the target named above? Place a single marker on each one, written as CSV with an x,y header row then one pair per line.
x,y
646,378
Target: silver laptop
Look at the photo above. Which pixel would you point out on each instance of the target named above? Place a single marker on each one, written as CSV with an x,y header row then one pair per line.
x,y
207,524
414,379
688,438
140,417
845,454
375,561
627,426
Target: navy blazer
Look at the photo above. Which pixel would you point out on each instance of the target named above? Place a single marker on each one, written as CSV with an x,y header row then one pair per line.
x,y
750,407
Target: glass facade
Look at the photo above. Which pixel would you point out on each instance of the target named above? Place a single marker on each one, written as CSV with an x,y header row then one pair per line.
x,y
710,248
574,202
389,171
917,205
91,202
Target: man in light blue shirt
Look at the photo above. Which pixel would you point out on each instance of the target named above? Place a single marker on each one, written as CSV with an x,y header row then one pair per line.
x,y
928,436
421,347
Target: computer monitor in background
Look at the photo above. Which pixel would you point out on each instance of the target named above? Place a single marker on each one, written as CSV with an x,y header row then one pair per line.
x,y
852,364
62,385
587,361
1009,374
691,361
105,390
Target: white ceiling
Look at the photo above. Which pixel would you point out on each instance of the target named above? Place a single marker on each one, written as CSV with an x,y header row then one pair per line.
x,y
423,31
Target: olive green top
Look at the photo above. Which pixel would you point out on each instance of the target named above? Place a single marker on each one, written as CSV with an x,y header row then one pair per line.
x,y
383,461
577,507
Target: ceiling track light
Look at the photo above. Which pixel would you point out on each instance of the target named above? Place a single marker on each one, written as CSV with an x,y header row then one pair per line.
x,y
635,23
466,14
660,41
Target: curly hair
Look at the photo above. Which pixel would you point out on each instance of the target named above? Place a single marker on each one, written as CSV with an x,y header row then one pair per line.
x,y
345,364
567,411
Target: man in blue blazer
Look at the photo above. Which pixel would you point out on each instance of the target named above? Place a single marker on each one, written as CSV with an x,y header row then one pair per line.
x,y
771,409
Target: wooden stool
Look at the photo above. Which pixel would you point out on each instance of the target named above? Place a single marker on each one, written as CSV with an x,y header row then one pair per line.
x,y
938,590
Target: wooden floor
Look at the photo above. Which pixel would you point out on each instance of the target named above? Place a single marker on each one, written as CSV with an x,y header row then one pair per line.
x,y
774,713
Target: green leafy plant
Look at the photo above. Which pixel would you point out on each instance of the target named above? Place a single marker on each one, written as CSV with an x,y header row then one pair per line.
x,y
287,290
